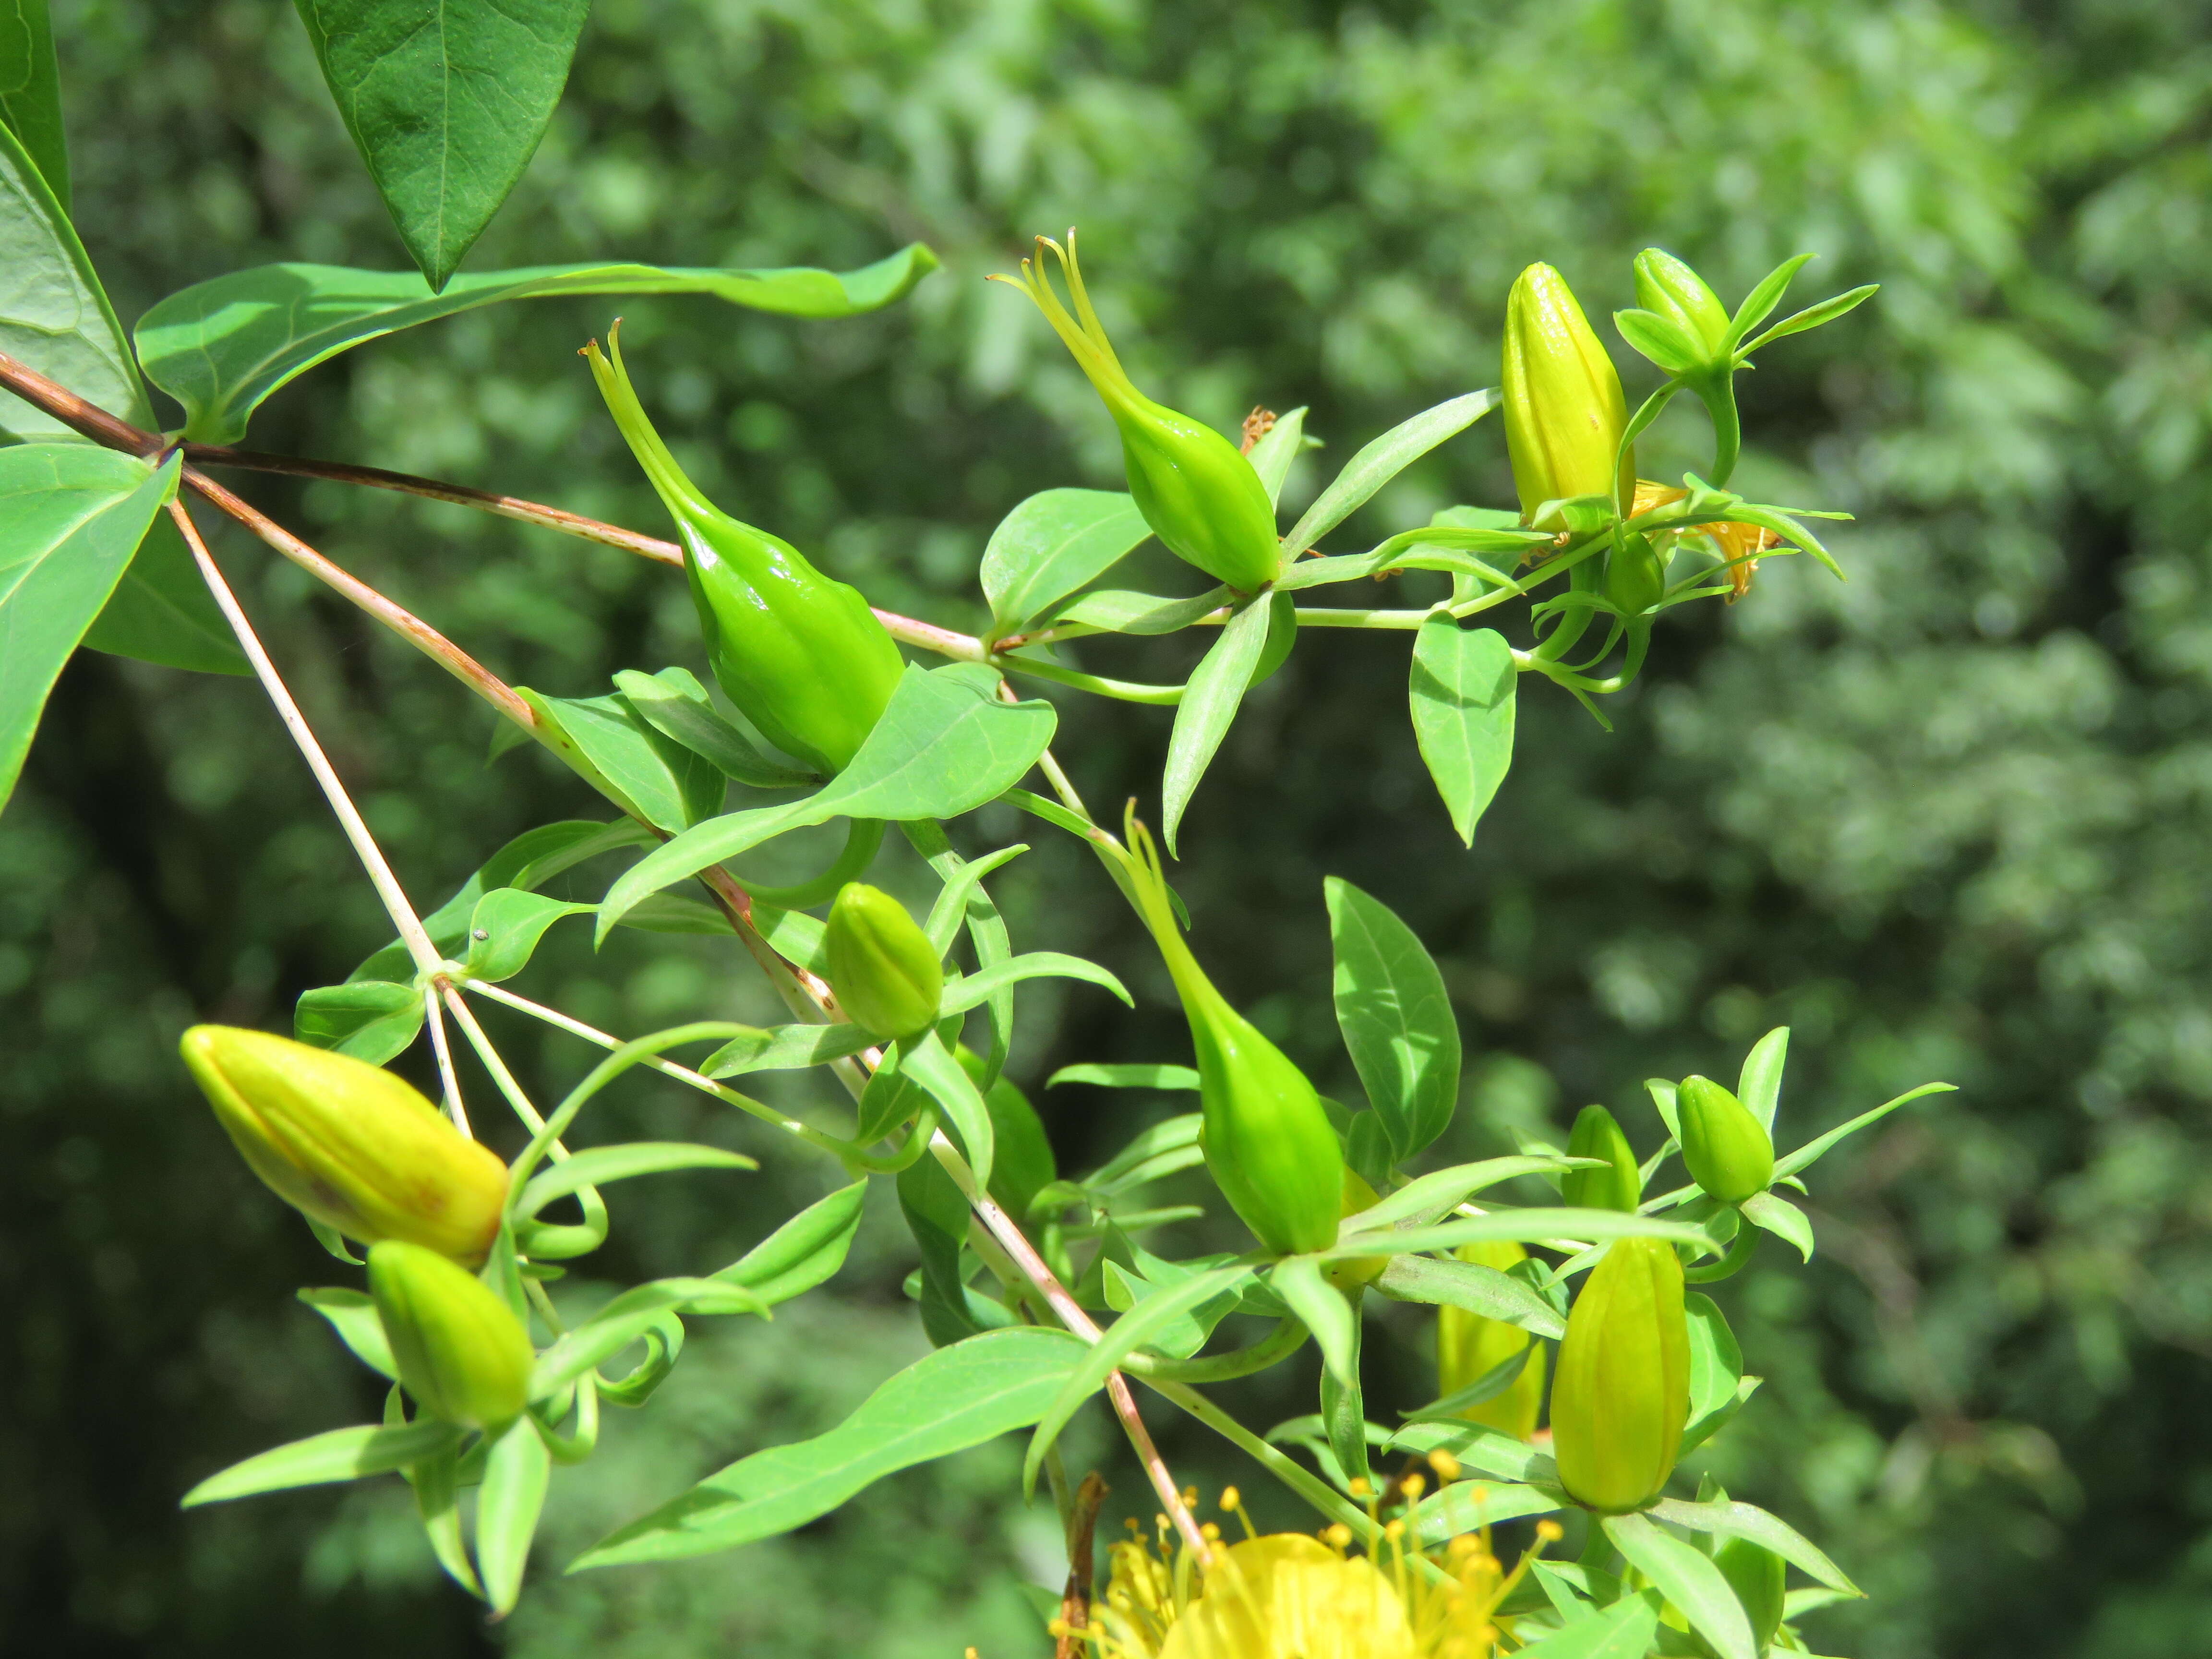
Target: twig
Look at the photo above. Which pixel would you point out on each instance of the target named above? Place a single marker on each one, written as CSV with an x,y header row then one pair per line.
x,y
434,1017
1075,1599
73,412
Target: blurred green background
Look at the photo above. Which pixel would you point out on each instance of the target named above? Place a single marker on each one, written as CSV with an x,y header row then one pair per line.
x,y
1947,820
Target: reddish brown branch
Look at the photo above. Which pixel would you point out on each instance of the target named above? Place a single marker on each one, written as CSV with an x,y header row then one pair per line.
x,y
73,412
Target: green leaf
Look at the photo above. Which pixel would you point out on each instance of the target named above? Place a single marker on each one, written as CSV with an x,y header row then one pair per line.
x,y
1623,1631
928,1063
970,989
675,704
1382,460
162,611
31,92
597,1165
505,926
320,1458
946,1401
670,913
1120,612
1521,1226
1471,1285
353,1317
1726,1519
1813,316
1396,1018
945,745
937,1214
1479,1448
784,1047
626,1318
221,347
1462,695
1324,1310
1761,300
670,785
1153,1153
1758,1085
445,100
71,516
1663,1091
1662,339
1203,718
1715,1360
1051,544
803,1252
1687,1576
956,900
1778,1216
54,315
1813,1150
1136,1076
1278,445
1429,1195
437,1487
797,937
371,1019
517,1471
1470,1505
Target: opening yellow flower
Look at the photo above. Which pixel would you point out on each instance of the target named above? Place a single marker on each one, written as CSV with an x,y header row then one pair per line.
x,y
1740,545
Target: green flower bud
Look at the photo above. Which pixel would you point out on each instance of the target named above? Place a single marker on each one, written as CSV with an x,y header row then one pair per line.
x,y
348,1144
1195,489
1621,1395
1635,574
1619,1186
1355,1272
1758,1577
461,1352
1470,1346
1269,1144
1728,1150
1669,288
802,657
1565,414
882,966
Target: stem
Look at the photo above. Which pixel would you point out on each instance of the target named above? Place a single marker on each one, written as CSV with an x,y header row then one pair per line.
x,y
1121,690
434,1017
73,412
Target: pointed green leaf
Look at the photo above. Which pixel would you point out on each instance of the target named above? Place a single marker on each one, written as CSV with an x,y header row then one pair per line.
x,y
162,611
1203,718
928,1064
320,1458
972,989
674,703
1778,1216
517,1471
1429,1196
372,1019
1662,339
672,786
1521,1226
1471,1285
1050,545
1760,1084
437,1487
1471,1505
1323,1310
1396,1018
597,1165
31,92
1142,1075
1688,1578
626,1318
784,1047
1813,1150
803,1252
1382,460
1761,300
353,1317
1726,1519
1623,1631
1813,316
1463,694
1117,611
505,926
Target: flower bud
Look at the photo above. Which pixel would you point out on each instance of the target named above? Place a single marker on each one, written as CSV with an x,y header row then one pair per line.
x,y
1635,574
1622,1392
1269,1144
1195,488
1355,1272
882,966
348,1144
1728,1150
1669,288
461,1352
1759,1576
802,657
1619,1186
1470,1346
1565,414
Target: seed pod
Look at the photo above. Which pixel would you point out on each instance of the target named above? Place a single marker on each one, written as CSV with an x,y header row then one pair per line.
x,y
348,1144
1619,1186
1728,1150
1470,1346
461,1352
1269,1144
1195,488
1759,1576
1635,574
1667,286
882,966
1355,1272
1622,1392
802,657
1565,414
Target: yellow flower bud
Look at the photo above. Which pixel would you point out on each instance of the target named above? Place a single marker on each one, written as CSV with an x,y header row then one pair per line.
x,y
348,1144
1619,1186
461,1352
1565,414
884,969
1470,1346
1728,1150
1621,1395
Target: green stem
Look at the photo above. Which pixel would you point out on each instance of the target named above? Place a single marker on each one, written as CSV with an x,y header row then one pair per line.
x,y
1121,690
1285,1340
863,837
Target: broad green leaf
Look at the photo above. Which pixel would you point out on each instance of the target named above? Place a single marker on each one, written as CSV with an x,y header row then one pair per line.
x,y
626,1318
1715,1360
1120,612
674,703
803,1252
353,1317
71,516
505,926
320,1458
1462,695
371,1019
1758,1085
31,92
1396,1018
784,1047
1623,1631
671,913
162,611
672,787
1126,1286
1471,1285
1142,1075
597,1165
1805,1156
1051,544
1324,1310
1278,445
221,347
1470,1505
1521,1226
797,937
54,315
1382,460
517,1470
929,1064
1688,1578
1203,718
970,989
945,745
1726,1519
1425,1198
445,100
1778,1216
947,1401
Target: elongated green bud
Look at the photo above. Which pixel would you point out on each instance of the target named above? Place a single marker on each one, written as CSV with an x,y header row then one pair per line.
x,y
1269,1144
1469,1348
1760,1578
461,1352
1564,411
348,1144
1728,1150
1667,286
884,969
1195,489
802,657
1622,1393
1619,1186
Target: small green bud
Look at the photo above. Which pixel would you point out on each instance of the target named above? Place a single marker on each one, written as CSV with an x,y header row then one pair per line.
x,y
1621,1395
1195,488
1635,574
461,1352
1470,1346
348,1144
802,657
1760,1577
1669,288
1728,1150
1619,1186
1565,414
882,966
